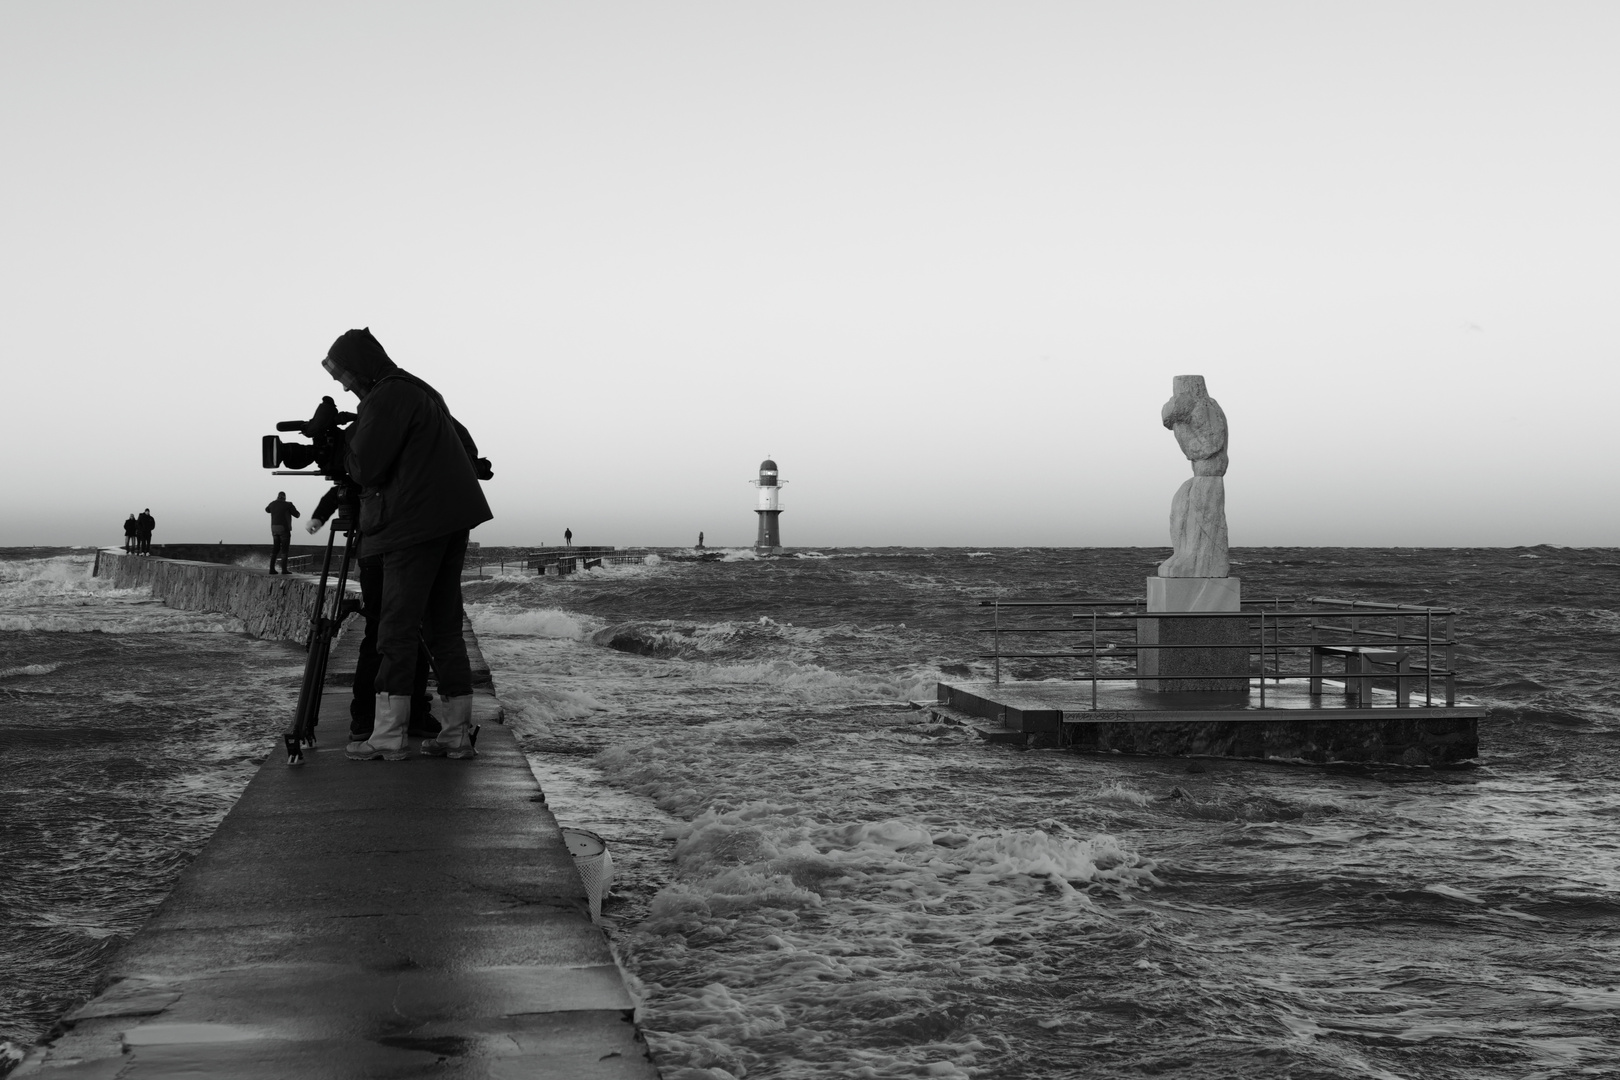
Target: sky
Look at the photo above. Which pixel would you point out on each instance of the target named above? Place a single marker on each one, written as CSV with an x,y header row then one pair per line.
x,y
940,260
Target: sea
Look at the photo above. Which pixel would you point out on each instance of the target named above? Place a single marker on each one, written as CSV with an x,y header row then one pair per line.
x,y
814,880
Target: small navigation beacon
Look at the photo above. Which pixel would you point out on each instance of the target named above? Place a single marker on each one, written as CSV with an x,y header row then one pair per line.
x,y
769,541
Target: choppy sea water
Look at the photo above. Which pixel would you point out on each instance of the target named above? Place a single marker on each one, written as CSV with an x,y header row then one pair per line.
x,y
812,883
127,730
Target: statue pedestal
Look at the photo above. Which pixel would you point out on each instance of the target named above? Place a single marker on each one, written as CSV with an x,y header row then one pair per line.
x,y
1227,669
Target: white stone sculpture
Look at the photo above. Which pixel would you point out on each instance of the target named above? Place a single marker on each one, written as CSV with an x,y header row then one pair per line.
x,y
1198,512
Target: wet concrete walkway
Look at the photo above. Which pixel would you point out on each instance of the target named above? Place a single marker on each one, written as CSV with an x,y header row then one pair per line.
x,y
367,919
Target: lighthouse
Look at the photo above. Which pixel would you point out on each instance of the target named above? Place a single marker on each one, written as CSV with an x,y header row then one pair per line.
x,y
769,541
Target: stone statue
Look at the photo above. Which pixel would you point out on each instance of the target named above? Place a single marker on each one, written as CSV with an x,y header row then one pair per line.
x,y
1198,512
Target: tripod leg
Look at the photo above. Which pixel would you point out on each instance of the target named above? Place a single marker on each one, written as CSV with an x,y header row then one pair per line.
x,y
309,694
328,631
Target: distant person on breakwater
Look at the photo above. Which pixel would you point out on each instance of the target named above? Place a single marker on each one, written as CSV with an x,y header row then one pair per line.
x,y
143,531
700,539
418,470
281,514
131,531
568,537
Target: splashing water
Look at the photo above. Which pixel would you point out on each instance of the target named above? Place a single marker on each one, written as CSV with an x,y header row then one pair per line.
x,y
811,882
821,885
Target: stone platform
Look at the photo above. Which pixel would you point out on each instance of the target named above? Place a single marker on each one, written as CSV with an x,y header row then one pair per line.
x,y
1291,725
1210,647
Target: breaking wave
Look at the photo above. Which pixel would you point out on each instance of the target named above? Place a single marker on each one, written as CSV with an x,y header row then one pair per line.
x,y
28,669
526,622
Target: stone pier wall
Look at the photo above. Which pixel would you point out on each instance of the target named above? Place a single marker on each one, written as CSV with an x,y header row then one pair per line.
x,y
275,607
255,554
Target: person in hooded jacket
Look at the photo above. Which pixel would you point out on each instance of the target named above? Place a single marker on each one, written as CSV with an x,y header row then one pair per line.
x,y
418,470
131,530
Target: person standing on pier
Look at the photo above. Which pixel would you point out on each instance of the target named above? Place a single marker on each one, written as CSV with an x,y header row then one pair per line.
x,y
281,514
131,530
568,538
143,531
363,703
418,470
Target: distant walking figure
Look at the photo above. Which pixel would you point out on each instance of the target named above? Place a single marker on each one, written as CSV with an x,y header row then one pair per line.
x,y
131,531
700,539
281,514
143,531
568,537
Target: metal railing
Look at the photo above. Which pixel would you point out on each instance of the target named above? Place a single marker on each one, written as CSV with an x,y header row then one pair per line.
x,y
1377,641
535,560
475,565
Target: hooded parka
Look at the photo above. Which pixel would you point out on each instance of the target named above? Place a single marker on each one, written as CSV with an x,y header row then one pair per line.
x,y
413,461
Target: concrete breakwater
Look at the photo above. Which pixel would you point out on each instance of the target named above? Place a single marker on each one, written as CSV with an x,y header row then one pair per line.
x,y
249,554
274,607
359,919
367,919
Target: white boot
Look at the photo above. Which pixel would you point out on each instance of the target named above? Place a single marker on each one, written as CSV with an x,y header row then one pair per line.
x,y
457,733
387,732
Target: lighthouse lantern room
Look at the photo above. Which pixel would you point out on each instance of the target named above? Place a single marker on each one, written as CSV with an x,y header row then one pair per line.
x,y
769,541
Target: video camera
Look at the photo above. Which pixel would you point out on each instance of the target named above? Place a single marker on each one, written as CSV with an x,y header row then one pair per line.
x,y
324,450
324,431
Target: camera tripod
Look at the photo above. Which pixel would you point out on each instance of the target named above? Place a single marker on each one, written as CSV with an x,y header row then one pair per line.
x,y
323,626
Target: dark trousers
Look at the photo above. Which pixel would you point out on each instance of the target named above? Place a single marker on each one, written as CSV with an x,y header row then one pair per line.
x,y
421,595
143,543
363,707
280,544
129,542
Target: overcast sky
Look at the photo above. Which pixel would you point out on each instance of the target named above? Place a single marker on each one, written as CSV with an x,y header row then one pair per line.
x,y
940,260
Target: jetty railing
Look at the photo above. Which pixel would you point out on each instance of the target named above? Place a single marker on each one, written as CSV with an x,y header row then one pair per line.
x,y
1375,640
567,560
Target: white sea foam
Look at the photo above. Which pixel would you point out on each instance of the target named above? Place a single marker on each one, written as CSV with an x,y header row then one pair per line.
x,y
1122,794
63,575
1062,860
801,917
526,622
113,622
495,572
1453,893
670,638
59,595
812,682
28,669
540,707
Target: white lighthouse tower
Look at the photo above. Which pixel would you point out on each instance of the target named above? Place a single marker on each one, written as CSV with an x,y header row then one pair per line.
x,y
769,541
